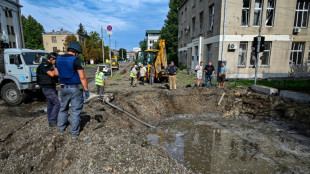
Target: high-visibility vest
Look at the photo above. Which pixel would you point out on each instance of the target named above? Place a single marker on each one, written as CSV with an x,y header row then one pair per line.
x,y
133,72
98,79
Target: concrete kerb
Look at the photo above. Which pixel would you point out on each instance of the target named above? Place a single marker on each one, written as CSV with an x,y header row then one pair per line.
x,y
296,96
265,90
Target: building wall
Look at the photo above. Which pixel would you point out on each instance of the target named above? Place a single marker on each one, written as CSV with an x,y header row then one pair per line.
x,y
10,19
59,44
151,40
280,35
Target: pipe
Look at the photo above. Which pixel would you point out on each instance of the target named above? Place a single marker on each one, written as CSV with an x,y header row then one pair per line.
x,y
224,30
133,117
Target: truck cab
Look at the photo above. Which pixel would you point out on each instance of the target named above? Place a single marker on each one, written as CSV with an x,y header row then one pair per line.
x,y
18,73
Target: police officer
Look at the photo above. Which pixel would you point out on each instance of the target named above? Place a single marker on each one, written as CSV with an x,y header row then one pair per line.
x,y
47,80
73,80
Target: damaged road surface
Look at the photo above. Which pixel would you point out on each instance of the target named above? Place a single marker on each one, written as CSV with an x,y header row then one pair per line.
x,y
246,133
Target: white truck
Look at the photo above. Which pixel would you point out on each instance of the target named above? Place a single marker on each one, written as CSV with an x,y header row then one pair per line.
x,y
18,73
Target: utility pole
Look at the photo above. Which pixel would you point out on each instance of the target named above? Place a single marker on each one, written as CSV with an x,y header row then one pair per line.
x,y
102,45
122,54
110,53
257,52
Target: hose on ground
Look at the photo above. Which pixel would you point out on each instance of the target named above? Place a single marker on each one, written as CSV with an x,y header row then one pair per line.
x,y
133,117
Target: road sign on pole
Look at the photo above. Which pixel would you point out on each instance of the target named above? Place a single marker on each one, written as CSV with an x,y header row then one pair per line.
x,y
109,31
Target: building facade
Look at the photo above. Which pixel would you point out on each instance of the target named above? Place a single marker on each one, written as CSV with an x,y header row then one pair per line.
x,y
223,30
54,41
152,36
136,49
131,55
10,23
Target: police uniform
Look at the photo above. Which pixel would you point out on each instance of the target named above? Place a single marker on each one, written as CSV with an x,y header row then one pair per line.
x,y
48,85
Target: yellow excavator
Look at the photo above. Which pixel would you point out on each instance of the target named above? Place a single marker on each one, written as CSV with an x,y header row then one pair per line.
x,y
115,63
157,58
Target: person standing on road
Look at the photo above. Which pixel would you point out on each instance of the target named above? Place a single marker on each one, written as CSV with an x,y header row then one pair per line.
x,y
152,74
100,81
222,75
73,80
209,69
172,71
47,80
199,71
142,73
133,76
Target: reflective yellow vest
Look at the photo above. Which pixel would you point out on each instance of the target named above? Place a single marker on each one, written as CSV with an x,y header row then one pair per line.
x,y
133,72
98,79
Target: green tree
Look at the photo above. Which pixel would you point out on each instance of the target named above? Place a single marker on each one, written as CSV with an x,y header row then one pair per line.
x,y
32,30
69,39
169,31
122,52
81,31
94,36
142,44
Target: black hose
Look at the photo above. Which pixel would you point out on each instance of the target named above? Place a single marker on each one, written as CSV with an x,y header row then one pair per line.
x,y
146,124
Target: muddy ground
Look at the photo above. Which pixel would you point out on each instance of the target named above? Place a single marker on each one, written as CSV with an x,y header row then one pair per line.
x,y
110,141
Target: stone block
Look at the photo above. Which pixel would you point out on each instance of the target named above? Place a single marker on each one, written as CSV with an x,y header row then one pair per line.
x,y
265,90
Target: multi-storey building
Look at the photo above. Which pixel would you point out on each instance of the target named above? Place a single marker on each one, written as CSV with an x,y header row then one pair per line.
x,y
54,41
224,30
152,36
10,23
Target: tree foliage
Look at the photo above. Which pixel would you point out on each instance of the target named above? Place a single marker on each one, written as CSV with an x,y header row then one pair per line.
x,y
69,39
122,53
32,30
143,45
81,31
169,31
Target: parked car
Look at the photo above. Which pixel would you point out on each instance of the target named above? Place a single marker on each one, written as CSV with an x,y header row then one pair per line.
x,y
106,69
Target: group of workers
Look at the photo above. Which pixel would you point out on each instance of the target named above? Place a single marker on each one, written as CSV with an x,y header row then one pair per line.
x,y
140,72
66,70
209,73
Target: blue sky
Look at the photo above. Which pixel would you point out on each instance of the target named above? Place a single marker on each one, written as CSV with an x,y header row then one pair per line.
x,y
129,18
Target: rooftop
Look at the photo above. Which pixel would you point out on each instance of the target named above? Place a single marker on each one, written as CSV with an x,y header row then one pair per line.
x,y
152,32
61,32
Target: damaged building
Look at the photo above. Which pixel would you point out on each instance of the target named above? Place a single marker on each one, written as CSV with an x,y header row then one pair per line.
x,y
222,30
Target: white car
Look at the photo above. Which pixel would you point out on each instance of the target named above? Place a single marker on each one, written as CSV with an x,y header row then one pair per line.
x,y
106,69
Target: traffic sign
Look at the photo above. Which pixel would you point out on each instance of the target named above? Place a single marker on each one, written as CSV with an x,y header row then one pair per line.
x,y
109,28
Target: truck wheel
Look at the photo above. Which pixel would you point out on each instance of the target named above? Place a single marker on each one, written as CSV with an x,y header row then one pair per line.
x,y
11,95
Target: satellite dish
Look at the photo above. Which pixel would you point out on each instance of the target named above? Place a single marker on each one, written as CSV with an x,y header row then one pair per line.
x,y
5,38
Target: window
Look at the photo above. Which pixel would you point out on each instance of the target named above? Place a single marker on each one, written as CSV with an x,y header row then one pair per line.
x,y
6,13
10,43
54,49
245,13
201,22
15,59
54,40
8,28
301,15
194,26
12,30
270,13
308,61
14,44
296,53
0,27
211,17
194,3
10,13
242,54
182,18
266,54
258,13
209,53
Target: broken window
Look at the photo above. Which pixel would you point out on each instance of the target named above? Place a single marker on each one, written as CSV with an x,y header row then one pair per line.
x,y
211,12
266,54
258,12
245,13
270,12
242,54
302,15
296,53
201,22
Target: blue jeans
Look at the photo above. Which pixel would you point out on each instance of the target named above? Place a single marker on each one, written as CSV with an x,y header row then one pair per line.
x,y
53,104
211,80
73,96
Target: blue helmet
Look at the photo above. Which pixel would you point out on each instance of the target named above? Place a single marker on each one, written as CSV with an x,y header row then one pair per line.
x,y
75,46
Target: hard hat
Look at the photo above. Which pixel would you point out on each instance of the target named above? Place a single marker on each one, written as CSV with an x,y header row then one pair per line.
x,y
139,64
75,46
53,55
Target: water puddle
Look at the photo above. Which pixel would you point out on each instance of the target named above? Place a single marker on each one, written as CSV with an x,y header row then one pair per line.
x,y
212,144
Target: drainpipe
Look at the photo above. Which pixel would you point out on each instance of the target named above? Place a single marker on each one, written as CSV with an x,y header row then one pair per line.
x,y
224,30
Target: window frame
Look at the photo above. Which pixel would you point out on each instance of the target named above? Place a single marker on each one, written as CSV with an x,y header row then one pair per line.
x,y
297,51
269,53
308,61
209,53
260,9
12,30
201,18
245,55
248,9
193,26
297,12
54,39
273,13
211,17
8,29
